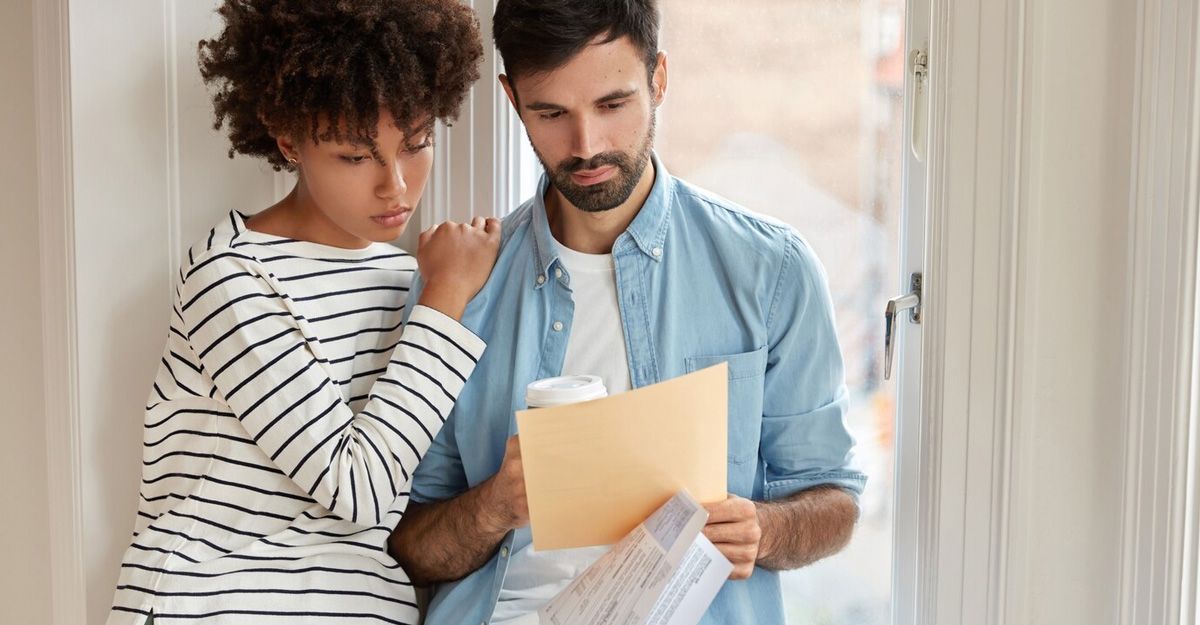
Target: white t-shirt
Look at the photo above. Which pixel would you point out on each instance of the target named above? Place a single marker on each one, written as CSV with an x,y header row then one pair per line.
x,y
596,347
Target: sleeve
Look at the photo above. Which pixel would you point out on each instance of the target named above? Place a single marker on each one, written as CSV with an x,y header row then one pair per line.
x,y
805,441
440,475
250,341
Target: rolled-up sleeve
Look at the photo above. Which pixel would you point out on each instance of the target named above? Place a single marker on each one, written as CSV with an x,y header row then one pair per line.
x,y
805,441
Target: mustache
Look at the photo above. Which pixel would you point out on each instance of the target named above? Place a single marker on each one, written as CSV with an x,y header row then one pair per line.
x,y
575,164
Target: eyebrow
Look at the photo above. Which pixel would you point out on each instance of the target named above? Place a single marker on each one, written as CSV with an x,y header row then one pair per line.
x,y
615,95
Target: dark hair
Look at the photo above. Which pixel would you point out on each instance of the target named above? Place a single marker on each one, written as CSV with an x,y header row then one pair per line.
x,y
282,67
535,36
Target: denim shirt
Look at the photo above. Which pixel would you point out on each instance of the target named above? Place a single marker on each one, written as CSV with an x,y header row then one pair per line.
x,y
699,281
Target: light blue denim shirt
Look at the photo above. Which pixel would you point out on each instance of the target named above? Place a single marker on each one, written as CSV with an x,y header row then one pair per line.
x,y
700,281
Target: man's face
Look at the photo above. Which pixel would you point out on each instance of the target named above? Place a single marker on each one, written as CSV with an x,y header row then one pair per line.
x,y
591,122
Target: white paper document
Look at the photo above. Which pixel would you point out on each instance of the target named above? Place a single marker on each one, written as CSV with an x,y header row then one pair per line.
x,y
664,572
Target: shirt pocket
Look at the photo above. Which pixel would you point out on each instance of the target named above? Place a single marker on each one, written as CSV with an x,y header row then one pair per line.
x,y
746,371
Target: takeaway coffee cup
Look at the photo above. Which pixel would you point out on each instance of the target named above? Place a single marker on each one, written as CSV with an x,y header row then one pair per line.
x,y
567,389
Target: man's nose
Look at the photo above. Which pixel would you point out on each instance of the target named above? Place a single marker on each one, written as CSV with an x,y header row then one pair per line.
x,y
585,141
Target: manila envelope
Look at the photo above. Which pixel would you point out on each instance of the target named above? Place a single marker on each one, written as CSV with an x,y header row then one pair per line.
x,y
595,470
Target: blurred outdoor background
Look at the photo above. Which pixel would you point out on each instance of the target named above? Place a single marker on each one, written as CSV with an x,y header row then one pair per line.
x,y
793,108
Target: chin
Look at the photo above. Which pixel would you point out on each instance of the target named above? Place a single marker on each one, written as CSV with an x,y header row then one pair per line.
x,y
385,236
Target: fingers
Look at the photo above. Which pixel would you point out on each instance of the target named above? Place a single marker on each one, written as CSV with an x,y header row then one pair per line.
x,y
427,234
742,571
744,533
742,557
490,225
733,528
732,510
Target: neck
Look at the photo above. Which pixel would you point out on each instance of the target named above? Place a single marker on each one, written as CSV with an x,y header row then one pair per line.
x,y
595,233
297,216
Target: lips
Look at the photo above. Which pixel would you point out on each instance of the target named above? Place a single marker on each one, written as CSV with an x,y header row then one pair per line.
x,y
590,177
393,218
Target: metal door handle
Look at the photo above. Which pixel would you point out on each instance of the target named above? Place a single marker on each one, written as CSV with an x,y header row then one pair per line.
x,y
918,62
896,305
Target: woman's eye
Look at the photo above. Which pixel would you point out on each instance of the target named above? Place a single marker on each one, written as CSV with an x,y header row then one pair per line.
x,y
413,149
355,159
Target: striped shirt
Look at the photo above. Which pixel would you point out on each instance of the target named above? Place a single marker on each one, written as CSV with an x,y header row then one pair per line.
x,y
283,426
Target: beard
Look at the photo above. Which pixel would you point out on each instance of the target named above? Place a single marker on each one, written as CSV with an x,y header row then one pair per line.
x,y
605,195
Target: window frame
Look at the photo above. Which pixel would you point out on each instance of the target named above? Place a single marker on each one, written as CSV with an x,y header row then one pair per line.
x,y
1160,560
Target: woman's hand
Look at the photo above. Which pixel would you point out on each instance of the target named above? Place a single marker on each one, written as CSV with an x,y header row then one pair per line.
x,y
455,261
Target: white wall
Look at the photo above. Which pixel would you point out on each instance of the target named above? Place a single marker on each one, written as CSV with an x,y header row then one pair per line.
x,y
24,541
1071,328
151,176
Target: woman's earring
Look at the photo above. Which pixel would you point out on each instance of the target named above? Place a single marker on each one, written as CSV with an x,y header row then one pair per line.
x,y
293,161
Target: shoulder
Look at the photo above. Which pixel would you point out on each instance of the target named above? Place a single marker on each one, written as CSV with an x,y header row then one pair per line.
x,y
516,228
222,253
517,223
736,225
778,259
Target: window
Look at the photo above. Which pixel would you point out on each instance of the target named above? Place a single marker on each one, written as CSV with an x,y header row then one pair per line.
x,y
795,109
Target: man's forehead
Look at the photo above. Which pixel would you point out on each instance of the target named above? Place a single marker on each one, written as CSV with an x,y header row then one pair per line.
x,y
600,69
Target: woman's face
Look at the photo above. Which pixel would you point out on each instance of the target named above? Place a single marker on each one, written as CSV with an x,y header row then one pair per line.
x,y
347,198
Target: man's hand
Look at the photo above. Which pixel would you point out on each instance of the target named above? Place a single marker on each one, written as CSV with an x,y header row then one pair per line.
x,y
733,528
447,540
506,507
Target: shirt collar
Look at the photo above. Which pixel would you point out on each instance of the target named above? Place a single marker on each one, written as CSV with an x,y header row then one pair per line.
x,y
648,229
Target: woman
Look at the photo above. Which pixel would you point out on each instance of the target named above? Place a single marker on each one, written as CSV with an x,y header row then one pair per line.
x,y
289,411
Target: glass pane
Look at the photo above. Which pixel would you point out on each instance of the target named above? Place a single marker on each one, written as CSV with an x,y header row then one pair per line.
x,y
793,108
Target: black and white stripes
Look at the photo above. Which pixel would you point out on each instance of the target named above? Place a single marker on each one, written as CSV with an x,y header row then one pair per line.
x,y
282,429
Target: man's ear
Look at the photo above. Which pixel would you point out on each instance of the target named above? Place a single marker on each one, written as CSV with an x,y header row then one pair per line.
x,y
658,81
508,90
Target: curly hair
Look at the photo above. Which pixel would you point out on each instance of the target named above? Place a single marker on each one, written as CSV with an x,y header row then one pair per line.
x,y
282,67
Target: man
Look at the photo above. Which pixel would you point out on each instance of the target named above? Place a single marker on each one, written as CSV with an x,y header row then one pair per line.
x,y
618,269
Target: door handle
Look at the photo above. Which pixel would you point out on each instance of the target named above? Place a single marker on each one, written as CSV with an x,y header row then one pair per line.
x,y
918,61
895,306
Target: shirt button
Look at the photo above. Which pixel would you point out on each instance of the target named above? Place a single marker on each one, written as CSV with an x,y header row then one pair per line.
x,y
541,279
557,273
504,552
558,326
657,252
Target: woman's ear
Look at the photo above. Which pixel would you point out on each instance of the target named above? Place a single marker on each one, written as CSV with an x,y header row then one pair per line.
x,y
288,149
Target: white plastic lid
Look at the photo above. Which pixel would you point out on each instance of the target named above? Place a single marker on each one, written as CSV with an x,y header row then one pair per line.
x,y
568,389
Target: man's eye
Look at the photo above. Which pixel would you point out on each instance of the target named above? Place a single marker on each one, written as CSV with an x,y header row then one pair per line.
x,y
551,115
612,106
